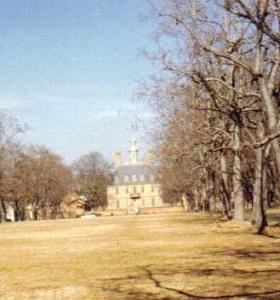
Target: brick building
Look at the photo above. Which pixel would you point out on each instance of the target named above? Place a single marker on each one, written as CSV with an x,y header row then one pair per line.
x,y
135,189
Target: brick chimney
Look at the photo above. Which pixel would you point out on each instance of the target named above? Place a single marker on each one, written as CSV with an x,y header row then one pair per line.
x,y
150,157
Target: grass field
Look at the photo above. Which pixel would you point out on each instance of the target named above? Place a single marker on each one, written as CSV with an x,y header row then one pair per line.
x,y
168,256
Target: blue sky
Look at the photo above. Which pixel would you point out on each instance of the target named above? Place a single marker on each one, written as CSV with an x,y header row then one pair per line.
x,y
69,69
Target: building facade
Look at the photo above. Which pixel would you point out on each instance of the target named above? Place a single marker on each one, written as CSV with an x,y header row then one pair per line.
x,y
135,189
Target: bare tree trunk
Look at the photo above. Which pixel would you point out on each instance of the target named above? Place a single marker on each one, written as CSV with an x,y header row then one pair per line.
x,y
196,199
203,197
215,196
272,117
213,192
224,186
259,217
3,211
266,182
274,190
238,197
225,201
17,210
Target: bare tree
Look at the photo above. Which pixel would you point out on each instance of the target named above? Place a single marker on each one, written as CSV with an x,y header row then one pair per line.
x,y
9,149
92,174
231,65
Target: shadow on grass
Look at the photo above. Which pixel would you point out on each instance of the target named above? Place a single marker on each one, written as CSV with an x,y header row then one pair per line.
x,y
199,219
253,254
126,287
157,283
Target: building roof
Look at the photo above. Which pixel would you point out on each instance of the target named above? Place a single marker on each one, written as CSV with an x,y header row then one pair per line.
x,y
134,173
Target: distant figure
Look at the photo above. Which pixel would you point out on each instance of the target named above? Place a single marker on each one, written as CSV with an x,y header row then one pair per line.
x,y
10,213
30,212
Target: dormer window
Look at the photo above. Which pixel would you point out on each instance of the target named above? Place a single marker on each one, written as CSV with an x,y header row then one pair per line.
x,y
117,180
125,178
142,177
134,178
152,178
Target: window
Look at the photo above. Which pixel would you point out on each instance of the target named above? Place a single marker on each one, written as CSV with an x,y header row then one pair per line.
x,y
152,178
125,178
117,180
143,202
118,204
142,189
117,190
134,178
134,189
153,202
126,189
152,188
142,177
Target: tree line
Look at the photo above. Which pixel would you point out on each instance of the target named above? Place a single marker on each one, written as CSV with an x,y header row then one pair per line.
x,y
34,179
216,96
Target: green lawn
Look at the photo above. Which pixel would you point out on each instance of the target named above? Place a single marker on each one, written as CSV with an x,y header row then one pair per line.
x,y
168,256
